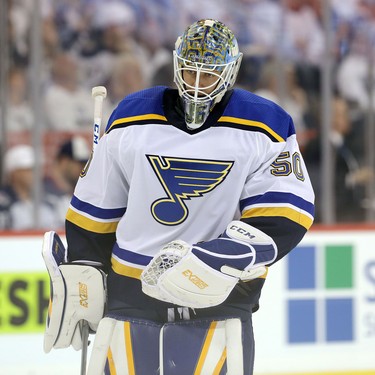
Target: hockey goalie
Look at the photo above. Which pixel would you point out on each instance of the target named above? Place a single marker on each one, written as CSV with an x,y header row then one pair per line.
x,y
190,196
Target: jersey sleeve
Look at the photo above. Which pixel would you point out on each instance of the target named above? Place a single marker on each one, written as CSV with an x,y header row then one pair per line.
x,y
98,204
278,198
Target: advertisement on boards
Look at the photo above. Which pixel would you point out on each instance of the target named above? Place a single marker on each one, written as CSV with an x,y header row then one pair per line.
x,y
316,316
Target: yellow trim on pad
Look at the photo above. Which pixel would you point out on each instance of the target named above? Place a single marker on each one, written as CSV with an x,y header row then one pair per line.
x,y
221,362
129,348
204,351
111,363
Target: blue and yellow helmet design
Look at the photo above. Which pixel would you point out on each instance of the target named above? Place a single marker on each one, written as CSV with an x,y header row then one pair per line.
x,y
207,47
208,42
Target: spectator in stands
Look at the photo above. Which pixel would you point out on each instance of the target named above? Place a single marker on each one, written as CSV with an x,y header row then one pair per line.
x,y
101,33
354,74
290,96
126,77
194,10
163,76
259,24
71,20
68,105
111,34
20,19
304,37
17,207
69,162
163,20
20,115
350,175
303,43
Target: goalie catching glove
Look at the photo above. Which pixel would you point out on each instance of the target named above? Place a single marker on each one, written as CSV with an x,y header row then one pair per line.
x,y
78,293
204,274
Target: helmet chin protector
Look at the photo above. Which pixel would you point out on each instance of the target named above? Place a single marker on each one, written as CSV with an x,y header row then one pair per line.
x,y
206,49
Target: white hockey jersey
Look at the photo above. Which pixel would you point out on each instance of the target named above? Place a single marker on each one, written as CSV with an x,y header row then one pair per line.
x,y
151,182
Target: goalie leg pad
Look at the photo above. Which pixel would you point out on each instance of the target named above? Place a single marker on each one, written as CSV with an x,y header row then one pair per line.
x,y
189,347
205,347
125,347
134,348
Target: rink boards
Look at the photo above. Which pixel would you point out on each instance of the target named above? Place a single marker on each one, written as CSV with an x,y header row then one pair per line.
x,y
317,311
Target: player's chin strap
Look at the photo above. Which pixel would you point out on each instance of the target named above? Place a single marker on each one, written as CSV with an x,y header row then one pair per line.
x,y
78,295
203,275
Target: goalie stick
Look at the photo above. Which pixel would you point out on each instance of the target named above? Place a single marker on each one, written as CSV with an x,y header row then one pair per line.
x,y
99,93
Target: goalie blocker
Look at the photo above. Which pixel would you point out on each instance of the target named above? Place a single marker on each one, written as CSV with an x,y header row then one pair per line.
x,y
77,294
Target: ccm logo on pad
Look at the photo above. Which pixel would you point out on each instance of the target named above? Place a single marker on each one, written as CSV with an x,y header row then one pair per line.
x,y
242,231
195,279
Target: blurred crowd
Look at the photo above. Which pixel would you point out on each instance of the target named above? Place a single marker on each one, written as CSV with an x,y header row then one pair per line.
x,y
127,45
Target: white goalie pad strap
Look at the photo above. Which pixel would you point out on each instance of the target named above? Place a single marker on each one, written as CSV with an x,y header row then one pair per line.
x,y
233,335
189,282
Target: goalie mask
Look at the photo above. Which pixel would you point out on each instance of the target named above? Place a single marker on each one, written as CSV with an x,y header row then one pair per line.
x,y
206,62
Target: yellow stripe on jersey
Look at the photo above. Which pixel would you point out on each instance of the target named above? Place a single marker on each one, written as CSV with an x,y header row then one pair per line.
x,y
129,348
89,224
256,124
125,120
296,216
124,270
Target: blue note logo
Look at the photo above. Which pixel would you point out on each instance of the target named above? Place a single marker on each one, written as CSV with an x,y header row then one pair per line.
x,y
183,179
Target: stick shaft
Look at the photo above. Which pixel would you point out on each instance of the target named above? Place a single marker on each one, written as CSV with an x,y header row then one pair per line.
x,y
98,114
85,344
98,93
